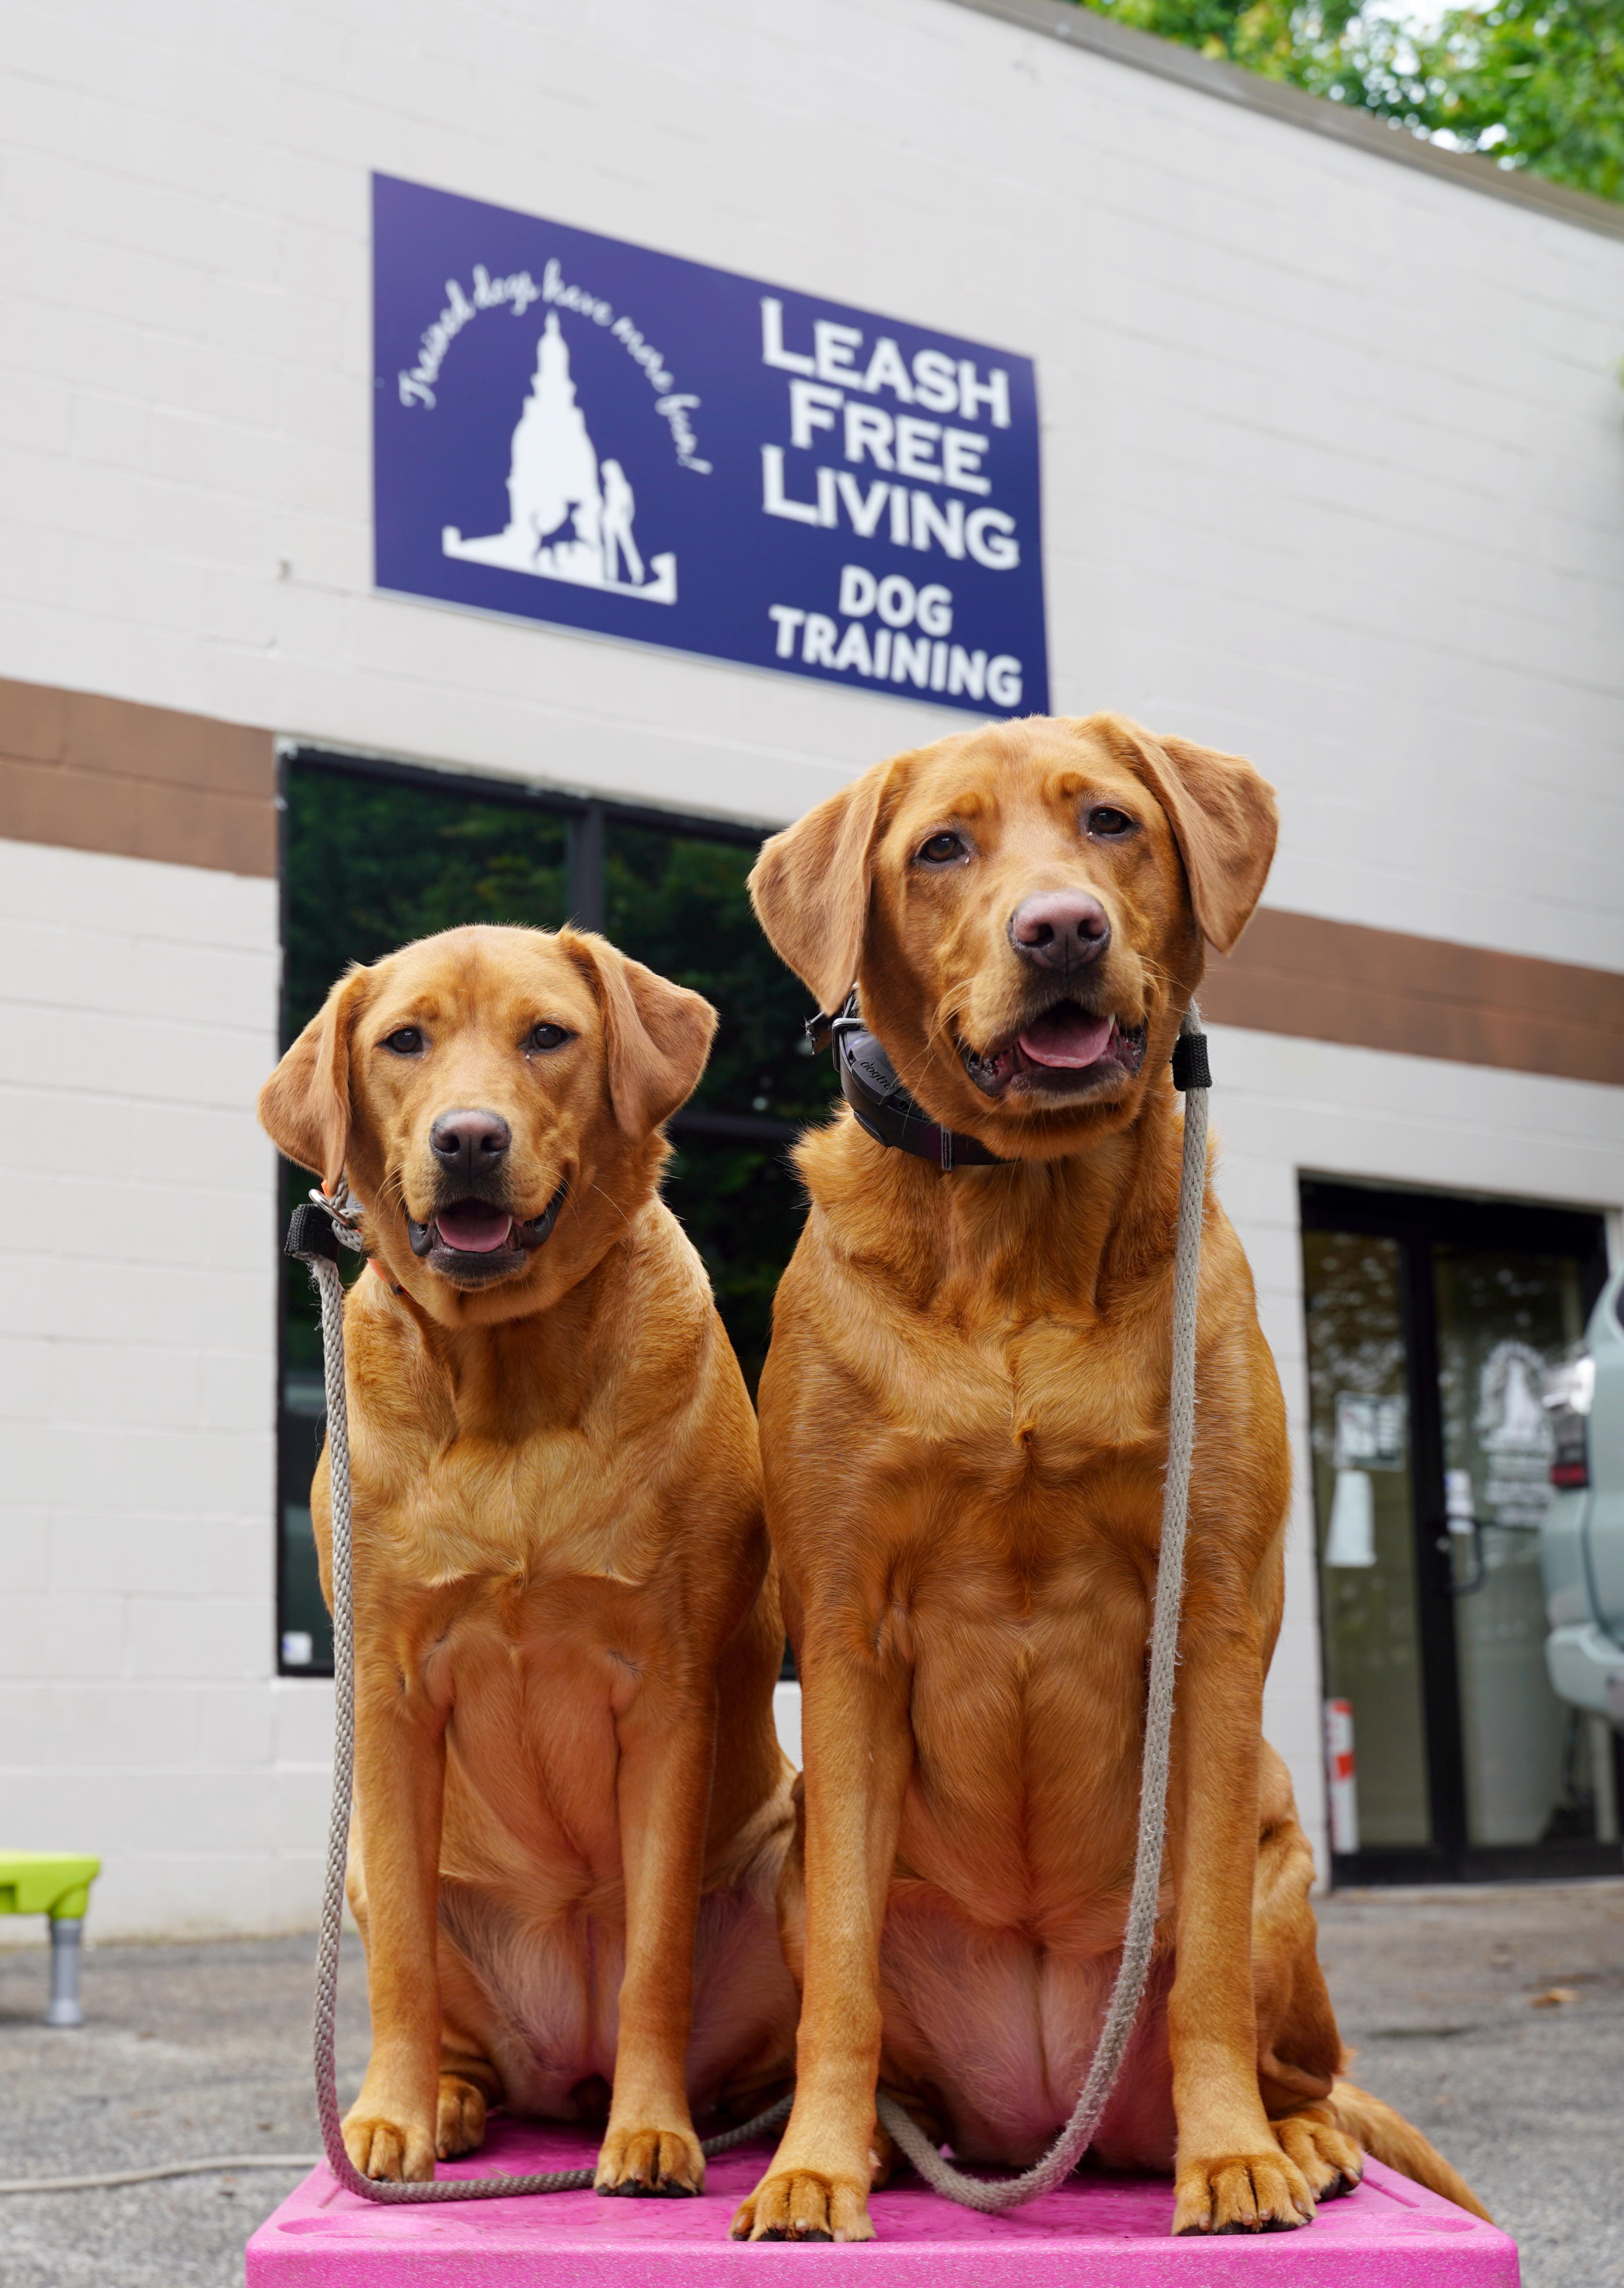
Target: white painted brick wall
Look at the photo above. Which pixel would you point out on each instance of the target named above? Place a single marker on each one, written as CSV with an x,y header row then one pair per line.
x,y
1334,455
138,1720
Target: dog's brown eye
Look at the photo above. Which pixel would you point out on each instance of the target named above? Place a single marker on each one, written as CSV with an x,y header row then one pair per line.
x,y
406,1042
942,849
1108,821
547,1037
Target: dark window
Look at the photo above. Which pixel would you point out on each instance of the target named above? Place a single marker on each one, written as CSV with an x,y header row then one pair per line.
x,y
677,901
375,855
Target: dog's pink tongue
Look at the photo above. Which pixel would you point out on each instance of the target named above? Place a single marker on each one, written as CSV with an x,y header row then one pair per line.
x,y
473,1228
1065,1037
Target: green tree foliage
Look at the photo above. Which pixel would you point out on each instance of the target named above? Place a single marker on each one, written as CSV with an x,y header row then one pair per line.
x,y
1535,84
1270,36
1539,83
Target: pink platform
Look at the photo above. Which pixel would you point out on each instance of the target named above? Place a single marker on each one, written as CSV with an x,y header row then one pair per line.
x,y
1390,2234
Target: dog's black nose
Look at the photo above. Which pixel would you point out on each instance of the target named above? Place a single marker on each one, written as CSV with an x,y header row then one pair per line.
x,y
470,1143
1059,929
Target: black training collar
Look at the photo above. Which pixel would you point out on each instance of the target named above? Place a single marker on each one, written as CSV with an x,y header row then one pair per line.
x,y
883,1106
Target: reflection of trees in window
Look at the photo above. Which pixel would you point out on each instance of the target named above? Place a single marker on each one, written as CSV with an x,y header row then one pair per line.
x,y
679,902
1353,1284
1355,1329
1356,1343
370,865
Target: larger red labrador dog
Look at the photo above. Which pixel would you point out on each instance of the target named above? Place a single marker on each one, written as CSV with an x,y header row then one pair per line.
x,y
965,1430
572,1807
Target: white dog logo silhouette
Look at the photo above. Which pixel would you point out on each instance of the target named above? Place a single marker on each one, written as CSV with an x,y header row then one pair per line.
x,y
569,515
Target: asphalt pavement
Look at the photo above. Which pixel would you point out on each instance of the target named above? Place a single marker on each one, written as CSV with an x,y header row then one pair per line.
x,y
1493,2018
185,2051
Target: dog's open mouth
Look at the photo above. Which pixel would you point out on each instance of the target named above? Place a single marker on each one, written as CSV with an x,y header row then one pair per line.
x,y
472,1242
1067,1050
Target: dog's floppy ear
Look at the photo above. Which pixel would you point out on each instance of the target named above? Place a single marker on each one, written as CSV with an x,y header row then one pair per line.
x,y
657,1035
304,1105
1224,819
810,887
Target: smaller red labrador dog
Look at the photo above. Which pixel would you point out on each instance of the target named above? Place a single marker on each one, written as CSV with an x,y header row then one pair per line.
x,y
572,1807
964,1427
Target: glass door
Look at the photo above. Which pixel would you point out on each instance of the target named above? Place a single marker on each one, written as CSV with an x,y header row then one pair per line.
x,y
1504,1318
1431,1325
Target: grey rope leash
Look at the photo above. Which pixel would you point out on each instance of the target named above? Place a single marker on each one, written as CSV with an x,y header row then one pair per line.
x,y
227,2163
313,1237
1190,1074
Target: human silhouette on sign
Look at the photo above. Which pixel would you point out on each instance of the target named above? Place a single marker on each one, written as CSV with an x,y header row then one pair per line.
x,y
619,507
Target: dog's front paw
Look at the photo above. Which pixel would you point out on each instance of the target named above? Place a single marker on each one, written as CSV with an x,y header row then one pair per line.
x,y
399,2152
461,2126
1331,2163
805,2204
1242,2192
664,2163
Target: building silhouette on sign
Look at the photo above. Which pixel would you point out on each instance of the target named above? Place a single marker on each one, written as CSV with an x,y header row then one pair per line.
x,y
569,516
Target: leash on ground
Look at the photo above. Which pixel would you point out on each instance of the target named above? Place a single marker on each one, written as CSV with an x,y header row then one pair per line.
x,y
224,2162
314,1236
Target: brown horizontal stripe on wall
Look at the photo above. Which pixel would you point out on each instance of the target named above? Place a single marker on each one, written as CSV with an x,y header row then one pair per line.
x,y
94,774
1373,988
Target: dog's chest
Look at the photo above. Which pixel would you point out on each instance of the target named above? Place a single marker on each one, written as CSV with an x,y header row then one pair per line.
x,y
1024,1495
528,1597
498,1510
1025,1691
1050,1406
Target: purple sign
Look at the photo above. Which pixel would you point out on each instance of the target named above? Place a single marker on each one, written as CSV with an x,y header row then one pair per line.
x,y
577,431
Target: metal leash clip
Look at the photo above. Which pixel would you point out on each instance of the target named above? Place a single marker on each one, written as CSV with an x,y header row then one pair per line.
x,y
344,1211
